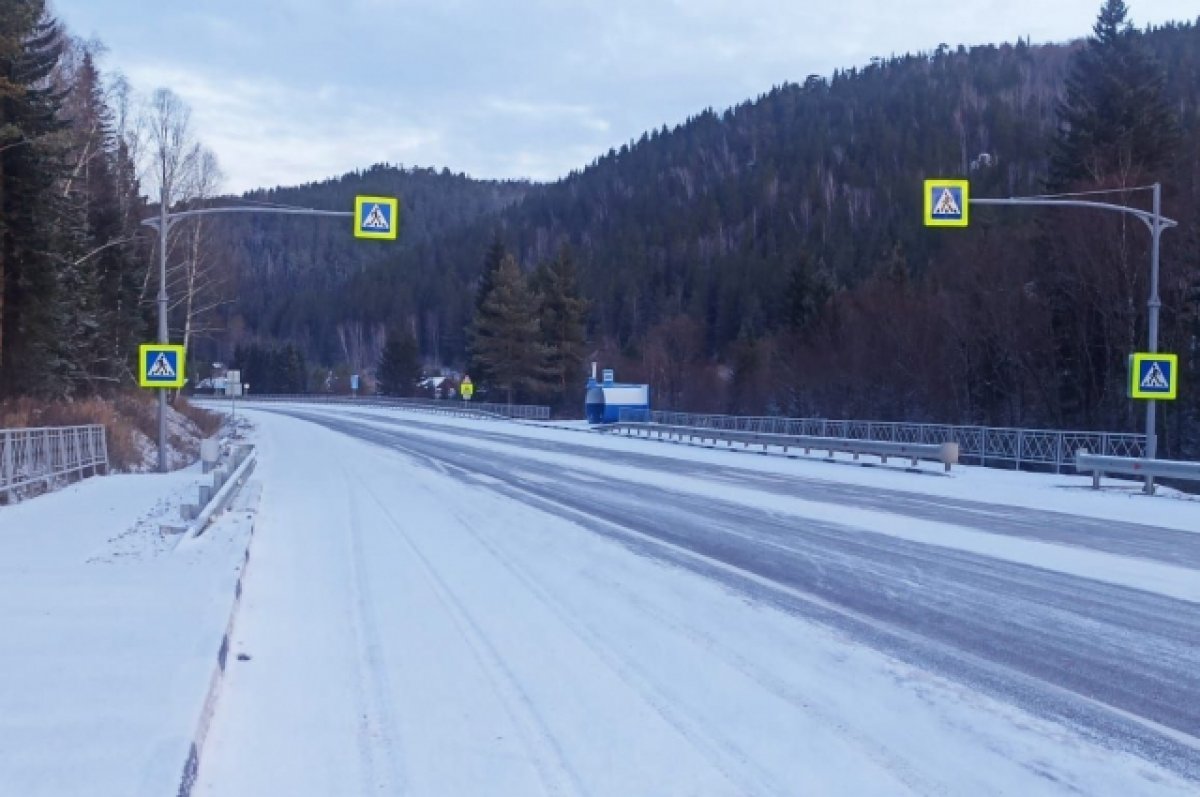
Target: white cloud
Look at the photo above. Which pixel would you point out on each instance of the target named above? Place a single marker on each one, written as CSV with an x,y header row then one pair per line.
x,y
266,133
297,90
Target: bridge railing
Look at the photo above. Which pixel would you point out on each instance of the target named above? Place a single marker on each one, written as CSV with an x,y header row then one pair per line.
x,y
978,445
41,457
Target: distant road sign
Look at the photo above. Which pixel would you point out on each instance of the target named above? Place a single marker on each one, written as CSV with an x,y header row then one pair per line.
x,y
947,203
1154,376
376,217
161,365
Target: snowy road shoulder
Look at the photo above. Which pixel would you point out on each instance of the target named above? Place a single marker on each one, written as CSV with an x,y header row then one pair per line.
x,y
111,633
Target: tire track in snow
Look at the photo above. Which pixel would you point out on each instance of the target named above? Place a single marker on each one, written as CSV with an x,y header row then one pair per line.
x,y
554,770
729,759
379,743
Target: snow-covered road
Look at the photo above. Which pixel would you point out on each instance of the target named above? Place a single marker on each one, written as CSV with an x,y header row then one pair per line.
x,y
448,607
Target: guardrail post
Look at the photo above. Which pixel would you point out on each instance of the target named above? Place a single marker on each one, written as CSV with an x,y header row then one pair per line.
x,y
6,468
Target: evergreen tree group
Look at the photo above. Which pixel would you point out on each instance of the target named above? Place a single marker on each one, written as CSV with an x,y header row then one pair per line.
x,y
527,338
70,264
272,370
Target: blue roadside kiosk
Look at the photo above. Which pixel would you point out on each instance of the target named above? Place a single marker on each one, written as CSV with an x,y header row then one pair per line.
x,y
606,399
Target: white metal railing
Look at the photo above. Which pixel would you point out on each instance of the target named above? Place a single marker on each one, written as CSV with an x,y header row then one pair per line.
x,y
1099,465
42,456
979,445
945,453
531,412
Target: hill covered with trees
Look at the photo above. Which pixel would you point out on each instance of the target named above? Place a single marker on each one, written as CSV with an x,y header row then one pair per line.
x,y
771,257
765,258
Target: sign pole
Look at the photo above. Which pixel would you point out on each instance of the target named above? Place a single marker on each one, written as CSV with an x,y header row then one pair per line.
x,y
163,332
1153,306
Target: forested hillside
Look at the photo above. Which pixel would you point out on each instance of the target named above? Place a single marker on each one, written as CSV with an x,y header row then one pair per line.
x,y
298,279
771,257
765,258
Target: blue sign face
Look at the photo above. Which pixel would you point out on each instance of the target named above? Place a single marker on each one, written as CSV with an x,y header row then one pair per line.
x,y
946,202
162,366
375,217
1155,377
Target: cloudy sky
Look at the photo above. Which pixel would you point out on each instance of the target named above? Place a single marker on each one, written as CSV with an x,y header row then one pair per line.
x,y
288,91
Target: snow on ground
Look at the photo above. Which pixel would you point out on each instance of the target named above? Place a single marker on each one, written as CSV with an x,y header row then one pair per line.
x,y
110,635
409,630
409,627
1002,487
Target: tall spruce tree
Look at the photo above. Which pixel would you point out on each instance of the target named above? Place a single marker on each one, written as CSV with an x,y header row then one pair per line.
x,y
399,365
1116,130
33,314
506,337
562,309
487,281
100,267
1116,126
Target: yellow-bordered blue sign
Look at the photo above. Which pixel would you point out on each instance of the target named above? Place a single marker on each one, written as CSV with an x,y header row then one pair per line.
x,y
160,365
376,217
1154,376
947,203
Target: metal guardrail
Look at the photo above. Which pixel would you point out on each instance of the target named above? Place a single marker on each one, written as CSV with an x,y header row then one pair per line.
x,y
978,445
41,456
531,412
1099,465
945,453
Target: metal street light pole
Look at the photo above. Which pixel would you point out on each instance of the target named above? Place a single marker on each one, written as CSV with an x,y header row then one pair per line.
x,y
1153,305
164,335
1156,222
163,222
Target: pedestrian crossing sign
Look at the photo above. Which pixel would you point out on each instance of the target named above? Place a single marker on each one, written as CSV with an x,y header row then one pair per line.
x,y
161,365
1154,376
947,203
376,217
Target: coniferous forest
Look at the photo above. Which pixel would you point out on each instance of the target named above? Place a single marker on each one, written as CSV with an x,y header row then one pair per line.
x,y
767,258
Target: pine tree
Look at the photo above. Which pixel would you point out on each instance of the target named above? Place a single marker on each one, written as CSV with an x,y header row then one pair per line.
x,y
809,288
1115,122
399,366
506,337
100,262
32,310
487,280
487,277
556,283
